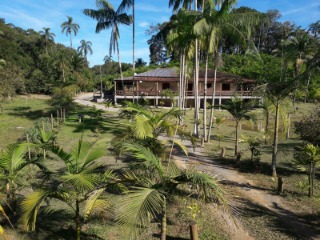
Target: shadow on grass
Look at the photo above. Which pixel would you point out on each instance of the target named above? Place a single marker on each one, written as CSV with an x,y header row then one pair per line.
x,y
57,224
32,115
108,124
282,220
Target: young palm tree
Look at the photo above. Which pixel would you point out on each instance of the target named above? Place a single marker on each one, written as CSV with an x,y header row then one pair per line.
x,y
307,159
48,36
147,126
107,18
12,162
69,26
85,48
77,183
239,110
148,198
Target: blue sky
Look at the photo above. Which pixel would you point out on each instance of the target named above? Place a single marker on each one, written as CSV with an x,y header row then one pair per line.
x,y
37,14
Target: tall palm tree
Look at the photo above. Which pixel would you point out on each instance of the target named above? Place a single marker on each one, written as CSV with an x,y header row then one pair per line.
x,y
149,197
77,183
70,26
48,36
85,48
107,18
213,24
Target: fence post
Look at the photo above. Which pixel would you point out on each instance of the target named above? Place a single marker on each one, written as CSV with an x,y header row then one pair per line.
x,y
193,231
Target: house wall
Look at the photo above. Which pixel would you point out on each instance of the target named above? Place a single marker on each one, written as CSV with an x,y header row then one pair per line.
x,y
152,86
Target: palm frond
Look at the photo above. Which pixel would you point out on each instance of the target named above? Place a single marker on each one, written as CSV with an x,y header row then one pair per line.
x,y
94,203
138,207
80,181
148,158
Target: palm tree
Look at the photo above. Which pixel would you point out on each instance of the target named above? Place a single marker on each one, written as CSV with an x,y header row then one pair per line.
x,y
69,26
147,126
214,24
314,28
107,18
148,198
239,110
12,162
307,158
276,93
48,36
77,183
85,48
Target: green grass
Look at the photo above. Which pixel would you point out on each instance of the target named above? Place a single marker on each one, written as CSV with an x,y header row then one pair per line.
x,y
18,115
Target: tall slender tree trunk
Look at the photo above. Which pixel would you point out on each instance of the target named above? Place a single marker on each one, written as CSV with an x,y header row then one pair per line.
x,y
78,224
63,74
237,139
308,83
196,84
212,104
70,40
164,223
133,48
310,180
275,142
205,101
121,74
266,141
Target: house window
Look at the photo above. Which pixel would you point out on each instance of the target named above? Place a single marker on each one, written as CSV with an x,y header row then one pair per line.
x,y
226,87
190,86
165,86
209,85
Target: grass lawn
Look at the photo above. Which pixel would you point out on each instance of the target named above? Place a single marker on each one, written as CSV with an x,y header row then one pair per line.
x,y
18,115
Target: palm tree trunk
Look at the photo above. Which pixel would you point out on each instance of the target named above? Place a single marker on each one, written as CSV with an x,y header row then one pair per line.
x,y
63,75
70,40
275,142
212,103
205,101
78,224
310,180
164,222
196,85
308,83
237,139
266,141
121,75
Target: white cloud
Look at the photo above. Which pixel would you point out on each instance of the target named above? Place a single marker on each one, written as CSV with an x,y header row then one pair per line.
x,y
143,24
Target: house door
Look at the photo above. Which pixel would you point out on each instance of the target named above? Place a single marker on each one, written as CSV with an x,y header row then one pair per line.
x,y
190,86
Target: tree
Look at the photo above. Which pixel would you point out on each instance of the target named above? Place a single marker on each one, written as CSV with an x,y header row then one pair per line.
x,y
78,183
148,198
308,156
276,93
48,36
239,110
85,48
314,28
69,26
147,126
107,18
140,63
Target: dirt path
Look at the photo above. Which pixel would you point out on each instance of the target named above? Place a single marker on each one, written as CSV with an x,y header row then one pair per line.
x,y
244,193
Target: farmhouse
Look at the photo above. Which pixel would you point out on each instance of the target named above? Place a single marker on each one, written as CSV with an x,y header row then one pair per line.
x,y
156,85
